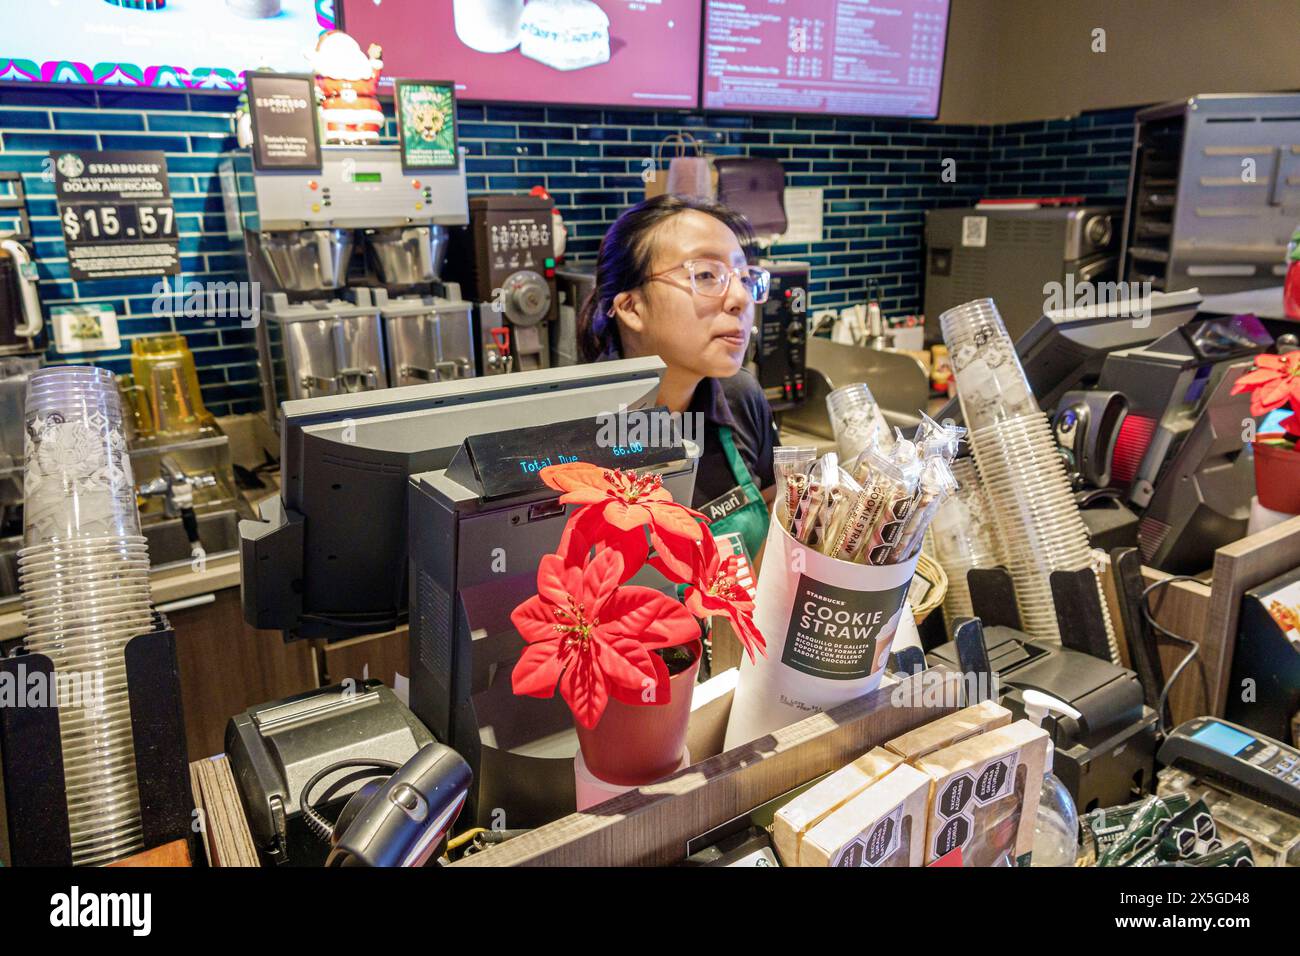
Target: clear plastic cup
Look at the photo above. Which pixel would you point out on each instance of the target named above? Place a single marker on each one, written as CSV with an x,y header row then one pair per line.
x,y
77,481
84,577
114,602
991,383
1034,509
856,420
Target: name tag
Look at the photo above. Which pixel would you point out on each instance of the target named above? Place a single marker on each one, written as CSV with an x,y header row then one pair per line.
x,y
725,504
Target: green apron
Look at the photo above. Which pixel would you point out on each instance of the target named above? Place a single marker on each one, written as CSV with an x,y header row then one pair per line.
x,y
748,513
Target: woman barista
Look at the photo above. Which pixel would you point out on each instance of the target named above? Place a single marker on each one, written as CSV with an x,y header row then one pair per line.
x,y
673,280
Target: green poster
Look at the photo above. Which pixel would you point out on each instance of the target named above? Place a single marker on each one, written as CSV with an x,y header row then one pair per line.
x,y
426,124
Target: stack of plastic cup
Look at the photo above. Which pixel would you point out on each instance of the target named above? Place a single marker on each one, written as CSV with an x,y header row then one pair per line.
x,y
856,420
964,537
84,576
1024,477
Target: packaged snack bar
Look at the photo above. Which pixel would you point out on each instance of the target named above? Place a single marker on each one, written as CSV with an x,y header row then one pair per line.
x,y
819,801
788,460
1140,833
883,826
984,795
1238,854
950,729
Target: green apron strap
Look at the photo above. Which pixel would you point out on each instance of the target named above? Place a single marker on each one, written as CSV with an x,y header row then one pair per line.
x,y
751,518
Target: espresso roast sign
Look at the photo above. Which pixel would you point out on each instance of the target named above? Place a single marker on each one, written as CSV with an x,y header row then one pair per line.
x,y
282,109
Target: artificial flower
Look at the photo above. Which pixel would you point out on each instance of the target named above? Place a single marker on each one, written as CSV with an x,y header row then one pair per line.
x,y
587,528
595,639
717,592
1274,382
626,501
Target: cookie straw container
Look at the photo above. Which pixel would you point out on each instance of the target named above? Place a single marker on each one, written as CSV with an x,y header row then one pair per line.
x,y
84,577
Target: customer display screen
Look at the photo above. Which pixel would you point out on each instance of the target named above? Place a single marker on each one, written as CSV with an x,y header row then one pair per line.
x,y
163,44
860,57
589,52
1224,739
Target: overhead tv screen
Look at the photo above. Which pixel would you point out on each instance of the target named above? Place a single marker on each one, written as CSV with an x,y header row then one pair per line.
x,y
857,57
162,44
589,52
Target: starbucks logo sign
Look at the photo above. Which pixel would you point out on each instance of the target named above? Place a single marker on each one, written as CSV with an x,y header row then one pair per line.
x,y
70,165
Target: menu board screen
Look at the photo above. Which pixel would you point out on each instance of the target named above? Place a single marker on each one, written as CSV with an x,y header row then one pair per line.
x,y
858,57
589,52
160,44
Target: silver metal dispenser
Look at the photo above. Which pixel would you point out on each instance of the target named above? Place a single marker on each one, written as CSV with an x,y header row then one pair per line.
x,y
314,348
430,339
328,314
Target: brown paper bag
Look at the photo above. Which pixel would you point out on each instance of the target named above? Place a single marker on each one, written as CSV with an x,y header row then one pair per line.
x,y
682,146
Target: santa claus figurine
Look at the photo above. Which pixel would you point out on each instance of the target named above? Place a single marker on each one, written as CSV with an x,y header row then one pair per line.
x,y
347,84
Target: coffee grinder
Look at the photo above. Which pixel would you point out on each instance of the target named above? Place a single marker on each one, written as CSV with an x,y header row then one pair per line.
x,y
349,259
778,349
506,259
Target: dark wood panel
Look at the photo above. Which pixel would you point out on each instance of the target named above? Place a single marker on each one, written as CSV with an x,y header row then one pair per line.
x,y
227,666
379,657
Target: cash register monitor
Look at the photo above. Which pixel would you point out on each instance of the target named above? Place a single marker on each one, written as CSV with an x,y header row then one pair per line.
x,y
329,558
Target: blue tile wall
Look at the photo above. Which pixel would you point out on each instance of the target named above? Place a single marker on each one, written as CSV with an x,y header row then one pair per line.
x,y
879,177
1087,156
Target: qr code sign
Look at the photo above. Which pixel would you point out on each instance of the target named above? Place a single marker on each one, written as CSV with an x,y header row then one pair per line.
x,y
974,230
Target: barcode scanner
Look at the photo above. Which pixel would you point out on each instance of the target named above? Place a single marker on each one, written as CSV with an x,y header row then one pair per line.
x,y
401,820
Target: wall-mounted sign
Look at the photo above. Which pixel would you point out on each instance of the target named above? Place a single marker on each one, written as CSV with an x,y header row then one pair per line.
x,y
117,215
426,124
803,210
85,327
286,131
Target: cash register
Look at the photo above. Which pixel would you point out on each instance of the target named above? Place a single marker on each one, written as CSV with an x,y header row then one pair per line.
x,y
424,504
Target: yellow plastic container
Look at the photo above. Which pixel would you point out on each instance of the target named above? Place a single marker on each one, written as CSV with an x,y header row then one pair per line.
x,y
171,403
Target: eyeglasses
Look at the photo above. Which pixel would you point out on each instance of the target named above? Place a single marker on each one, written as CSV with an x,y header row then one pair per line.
x,y
712,278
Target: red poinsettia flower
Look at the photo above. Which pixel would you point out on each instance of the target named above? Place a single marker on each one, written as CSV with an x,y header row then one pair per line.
x,y
618,507
596,639
1274,382
717,592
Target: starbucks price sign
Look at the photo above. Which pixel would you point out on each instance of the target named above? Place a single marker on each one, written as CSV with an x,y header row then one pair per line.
x,y
116,213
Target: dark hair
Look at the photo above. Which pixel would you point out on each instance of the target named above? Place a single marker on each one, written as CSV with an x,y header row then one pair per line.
x,y
624,263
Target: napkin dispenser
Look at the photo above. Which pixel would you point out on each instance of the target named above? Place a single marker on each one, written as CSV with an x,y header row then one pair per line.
x,y
755,187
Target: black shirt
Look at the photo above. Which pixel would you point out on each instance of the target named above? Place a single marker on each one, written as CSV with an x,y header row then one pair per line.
x,y
738,403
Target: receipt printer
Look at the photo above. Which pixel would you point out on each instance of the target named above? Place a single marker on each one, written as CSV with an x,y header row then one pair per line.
x,y
276,748
1107,756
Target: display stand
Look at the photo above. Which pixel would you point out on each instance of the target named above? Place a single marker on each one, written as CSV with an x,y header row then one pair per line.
x,y
1267,658
1143,644
1078,606
31,754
